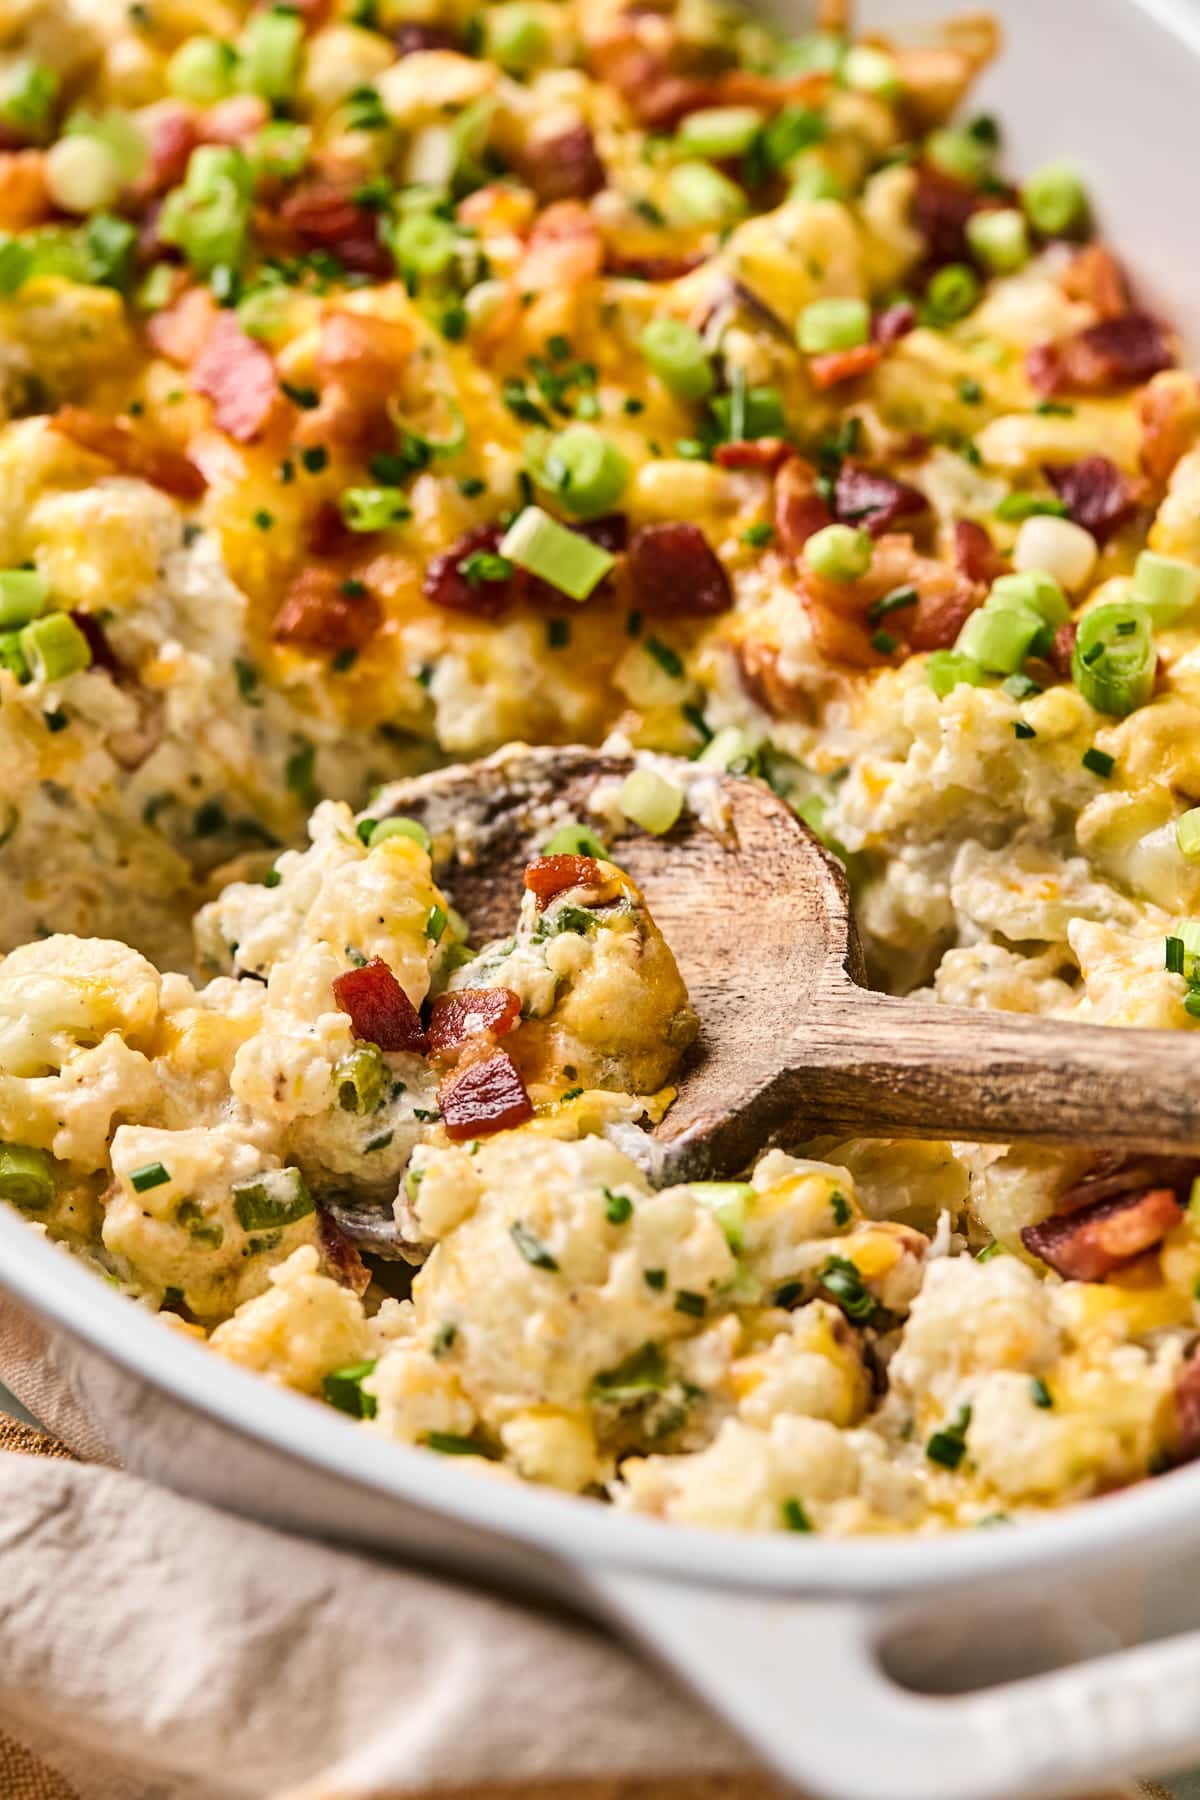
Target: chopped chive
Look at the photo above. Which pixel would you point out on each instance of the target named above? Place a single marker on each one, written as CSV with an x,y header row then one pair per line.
x,y
1040,1392
794,1516
343,1388
655,1278
891,602
695,1305
531,1247
618,1208
948,1446
150,1175
667,659
1174,956
435,924
1099,762
450,1443
1022,730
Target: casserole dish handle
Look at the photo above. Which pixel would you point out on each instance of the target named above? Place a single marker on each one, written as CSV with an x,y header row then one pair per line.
x,y
803,1682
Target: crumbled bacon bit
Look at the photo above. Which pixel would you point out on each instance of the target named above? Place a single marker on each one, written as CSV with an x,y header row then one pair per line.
x,y
548,876
340,1256
234,121
238,375
1089,1244
317,614
1169,412
380,1011
565,249
941,207
446,585
975,555
799,508
674,571
893,323
1113,354
119,443
483,1097
471,1013
835,366
103,655
24,199
838,612
179,331
562,165
1062,650
323,215
651,268
171,132
1094,276
610,532
329,535
1095,493
768,453
412,37
874,501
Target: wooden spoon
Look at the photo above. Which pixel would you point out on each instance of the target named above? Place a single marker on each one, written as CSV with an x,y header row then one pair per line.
x,y
792,1043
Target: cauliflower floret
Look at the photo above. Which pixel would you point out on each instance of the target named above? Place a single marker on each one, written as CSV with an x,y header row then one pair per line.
x,y
972,1317
747,1480
814,1368
300,1330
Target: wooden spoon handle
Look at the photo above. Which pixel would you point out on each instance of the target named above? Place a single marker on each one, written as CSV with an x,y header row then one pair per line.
x,y
871,1066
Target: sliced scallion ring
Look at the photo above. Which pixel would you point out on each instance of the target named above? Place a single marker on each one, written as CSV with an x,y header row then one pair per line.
x,y
1114,658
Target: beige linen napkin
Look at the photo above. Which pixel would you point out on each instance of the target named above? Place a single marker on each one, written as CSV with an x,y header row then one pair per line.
x,y
152,1648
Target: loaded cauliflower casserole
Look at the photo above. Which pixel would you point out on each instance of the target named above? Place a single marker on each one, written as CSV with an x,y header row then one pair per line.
x,y
385,380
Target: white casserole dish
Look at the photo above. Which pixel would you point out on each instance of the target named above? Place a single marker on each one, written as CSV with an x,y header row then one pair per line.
x,y
991,1665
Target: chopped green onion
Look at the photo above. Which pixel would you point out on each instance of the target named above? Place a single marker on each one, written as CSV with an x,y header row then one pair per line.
x,y
83,174
22,596
30,90
1173,955
1099,762
871,71
718,132
1017,507
208,217
792,130
281,148
1035,590
17,263
1055,201
422,244
999,239
727,1201
263,312
390,828
839,553
343,1388
361,1078
531,1247
450,1443
567,560
833,324
999,638
277,1197
12,657
584,471
1165,586
794,1516
750,412
945,669
271,49
150,1175
959,154
948,1446
644,1371
109,244
436,923
1187,831
650,801
618,1208
374,508
575,840
677,356
26,1177
703,196
54,647
952,292
814,182
203,70
843,1280
516,37
693,1304
894,601
1114,660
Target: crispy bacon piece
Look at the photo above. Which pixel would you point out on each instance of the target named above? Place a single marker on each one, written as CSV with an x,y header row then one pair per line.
x,y
329,535
651,268
119,443
322,215
1116,1174
874,501
446,585
1088,1244
179,331
659,95
941,207
380,1010
483,1097
172,132
975,555
835,366
238,375
471,1013
838,612
562,165
103,655
1169,412
24,200
610,531
768,453
1187,1410
411,37
565,249
234,121
799,508
674,572
1062,650
317,614
340,1256
1112,354
893,323
1095,493
1095,276
548,876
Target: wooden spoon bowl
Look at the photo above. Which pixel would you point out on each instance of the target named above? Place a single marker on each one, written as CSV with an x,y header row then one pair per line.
x,y
792,1042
